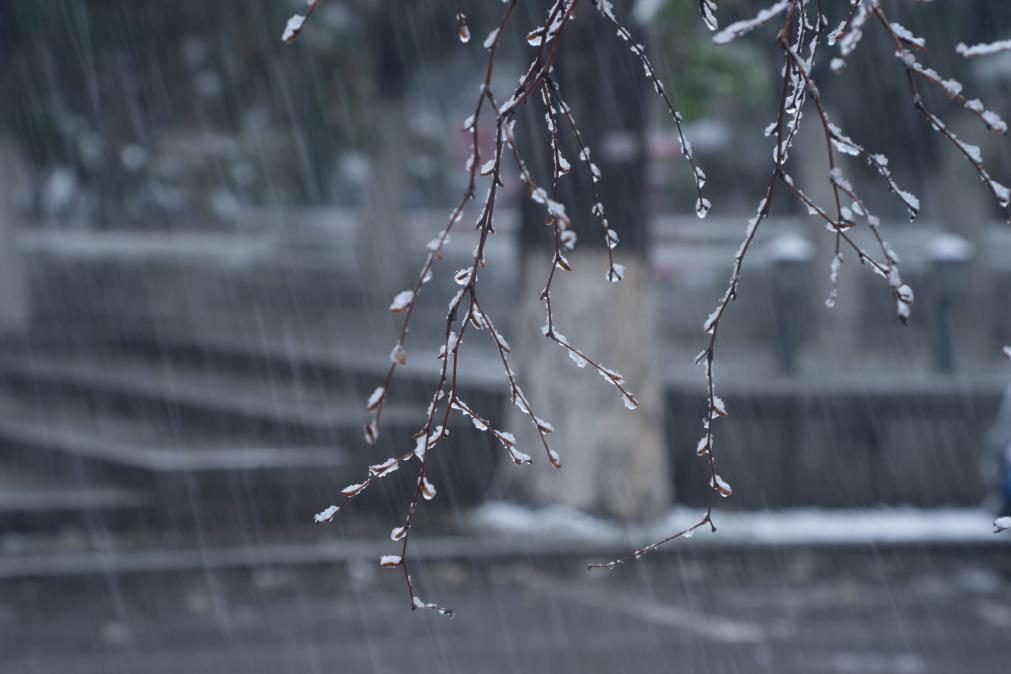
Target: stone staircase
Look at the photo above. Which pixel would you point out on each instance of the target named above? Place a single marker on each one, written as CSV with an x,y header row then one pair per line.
x,y
181,432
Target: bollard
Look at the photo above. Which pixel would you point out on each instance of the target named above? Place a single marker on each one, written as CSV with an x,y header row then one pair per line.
x,y
791,256
950,256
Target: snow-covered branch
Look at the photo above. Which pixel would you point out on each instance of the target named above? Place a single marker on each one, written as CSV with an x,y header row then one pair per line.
x,y
802,34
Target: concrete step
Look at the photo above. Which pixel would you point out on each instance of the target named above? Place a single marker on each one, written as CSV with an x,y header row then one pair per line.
x,y
32,500
185,467
219,402
355,362
67,439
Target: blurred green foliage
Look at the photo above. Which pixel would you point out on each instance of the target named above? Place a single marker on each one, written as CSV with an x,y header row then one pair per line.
x,y
707,79
132,96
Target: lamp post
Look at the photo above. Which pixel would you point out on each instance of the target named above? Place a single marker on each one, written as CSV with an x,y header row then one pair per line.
x,y
950,256
790,255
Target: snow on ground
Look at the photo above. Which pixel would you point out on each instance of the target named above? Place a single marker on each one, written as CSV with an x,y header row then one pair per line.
x,y
803,526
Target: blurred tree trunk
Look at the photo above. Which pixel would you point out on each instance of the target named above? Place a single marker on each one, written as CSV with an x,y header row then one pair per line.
x,y
13,293
916,152
381,245
381,237
614,460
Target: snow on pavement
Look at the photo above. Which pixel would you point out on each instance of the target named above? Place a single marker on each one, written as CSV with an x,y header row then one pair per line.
x,y
814,526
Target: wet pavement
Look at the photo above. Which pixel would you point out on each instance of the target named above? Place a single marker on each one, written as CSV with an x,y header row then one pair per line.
x,y
787,610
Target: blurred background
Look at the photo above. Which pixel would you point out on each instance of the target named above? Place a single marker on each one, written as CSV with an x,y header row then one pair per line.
x,y
201,229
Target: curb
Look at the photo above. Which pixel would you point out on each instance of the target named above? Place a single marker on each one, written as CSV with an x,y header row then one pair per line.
x,y
497,549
